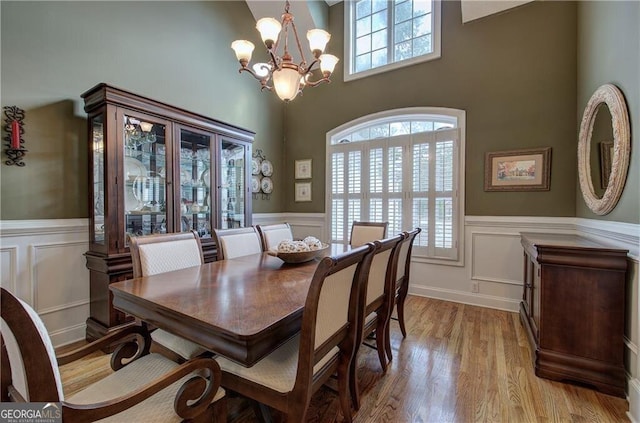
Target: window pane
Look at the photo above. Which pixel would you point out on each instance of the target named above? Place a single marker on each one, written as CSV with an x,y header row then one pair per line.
x,y
444,166
379,58
403,11
378,5
400,128
363,62
376,168
420,7
422,45
403,51
440,125
379,21
379,39
444,223
361,135
395,216
422,25
421,220
395,169
337,173
354,169
363,8
417,127
363,44
380,131
375,210
403,31
421,167
363,26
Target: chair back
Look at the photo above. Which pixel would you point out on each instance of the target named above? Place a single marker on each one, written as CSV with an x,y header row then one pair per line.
x,y
383,270
404,256
271,235
237,242
332,310
363,232
29,366
160,253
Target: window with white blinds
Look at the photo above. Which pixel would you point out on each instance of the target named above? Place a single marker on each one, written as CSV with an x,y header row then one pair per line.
x,y
402,168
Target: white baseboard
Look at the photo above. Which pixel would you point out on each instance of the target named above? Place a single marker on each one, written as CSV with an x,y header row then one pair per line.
x,y
480,300
633,397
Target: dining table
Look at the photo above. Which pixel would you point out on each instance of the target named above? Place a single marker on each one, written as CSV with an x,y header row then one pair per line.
x,y
242,308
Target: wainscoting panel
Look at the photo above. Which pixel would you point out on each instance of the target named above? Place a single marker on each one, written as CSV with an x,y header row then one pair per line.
x,y
9,266
496,257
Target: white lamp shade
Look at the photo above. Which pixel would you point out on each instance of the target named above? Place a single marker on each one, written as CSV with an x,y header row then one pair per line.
x,y
286,82
318,39
243,49
328,63
269,29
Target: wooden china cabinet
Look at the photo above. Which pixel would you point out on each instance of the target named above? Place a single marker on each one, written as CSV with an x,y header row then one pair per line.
x,y
155,168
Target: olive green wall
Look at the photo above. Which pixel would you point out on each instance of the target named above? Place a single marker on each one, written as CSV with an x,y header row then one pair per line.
x,y
175,52
514,75
609,52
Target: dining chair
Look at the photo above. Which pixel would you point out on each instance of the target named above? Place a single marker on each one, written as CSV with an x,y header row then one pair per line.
x,y
378,305
161,253
402,282
363,232
271,235
144,387
237,242
286,378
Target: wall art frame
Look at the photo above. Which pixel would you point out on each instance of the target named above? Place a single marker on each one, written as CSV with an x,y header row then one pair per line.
x,y
518,170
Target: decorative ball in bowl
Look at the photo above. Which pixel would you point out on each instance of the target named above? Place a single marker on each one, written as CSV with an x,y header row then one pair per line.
x,y
300,251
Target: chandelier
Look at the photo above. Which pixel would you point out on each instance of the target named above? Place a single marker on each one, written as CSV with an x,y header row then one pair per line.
x,y
288,78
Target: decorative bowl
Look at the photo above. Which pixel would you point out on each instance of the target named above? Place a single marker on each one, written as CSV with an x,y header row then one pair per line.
x,y
301,256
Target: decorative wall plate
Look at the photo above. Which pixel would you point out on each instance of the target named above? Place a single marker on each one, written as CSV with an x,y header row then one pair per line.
x,y
255,166
266,167
255,184
266,184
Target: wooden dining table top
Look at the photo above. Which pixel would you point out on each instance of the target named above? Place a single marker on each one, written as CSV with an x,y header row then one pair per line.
x,y
242,308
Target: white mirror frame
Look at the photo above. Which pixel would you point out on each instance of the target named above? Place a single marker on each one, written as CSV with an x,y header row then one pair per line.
x,y
610,95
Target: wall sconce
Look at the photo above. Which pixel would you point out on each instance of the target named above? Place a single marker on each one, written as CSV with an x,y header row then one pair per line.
x,y
14,117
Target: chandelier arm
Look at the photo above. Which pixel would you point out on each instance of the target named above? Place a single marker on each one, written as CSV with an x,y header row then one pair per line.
x,y
318,82
261,79
295,34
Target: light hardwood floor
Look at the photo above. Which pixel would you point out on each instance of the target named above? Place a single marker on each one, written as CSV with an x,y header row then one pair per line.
x,y
459,363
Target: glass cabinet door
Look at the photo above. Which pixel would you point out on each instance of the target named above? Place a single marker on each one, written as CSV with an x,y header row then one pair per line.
x,y
145,167
233,179
196,180
98,160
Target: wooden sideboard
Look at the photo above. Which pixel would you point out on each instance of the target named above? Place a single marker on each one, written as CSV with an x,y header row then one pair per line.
x,y
573,309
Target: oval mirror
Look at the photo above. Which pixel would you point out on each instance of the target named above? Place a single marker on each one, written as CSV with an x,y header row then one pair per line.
x,y
603,153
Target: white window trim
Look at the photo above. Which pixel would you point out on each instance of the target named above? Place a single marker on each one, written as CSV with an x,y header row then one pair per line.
x,y
402,114
348,28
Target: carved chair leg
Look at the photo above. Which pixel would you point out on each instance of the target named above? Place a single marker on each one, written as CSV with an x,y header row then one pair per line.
x,y
343,393
353,383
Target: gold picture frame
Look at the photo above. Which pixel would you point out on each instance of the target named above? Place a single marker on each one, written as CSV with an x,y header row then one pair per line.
x,y
518,170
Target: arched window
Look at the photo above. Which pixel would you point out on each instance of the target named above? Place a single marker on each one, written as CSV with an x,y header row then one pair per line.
x,y
401,166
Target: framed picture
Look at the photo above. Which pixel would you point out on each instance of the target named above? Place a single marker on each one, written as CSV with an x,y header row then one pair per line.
x,y
303,191
303,169
606,155
518,170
